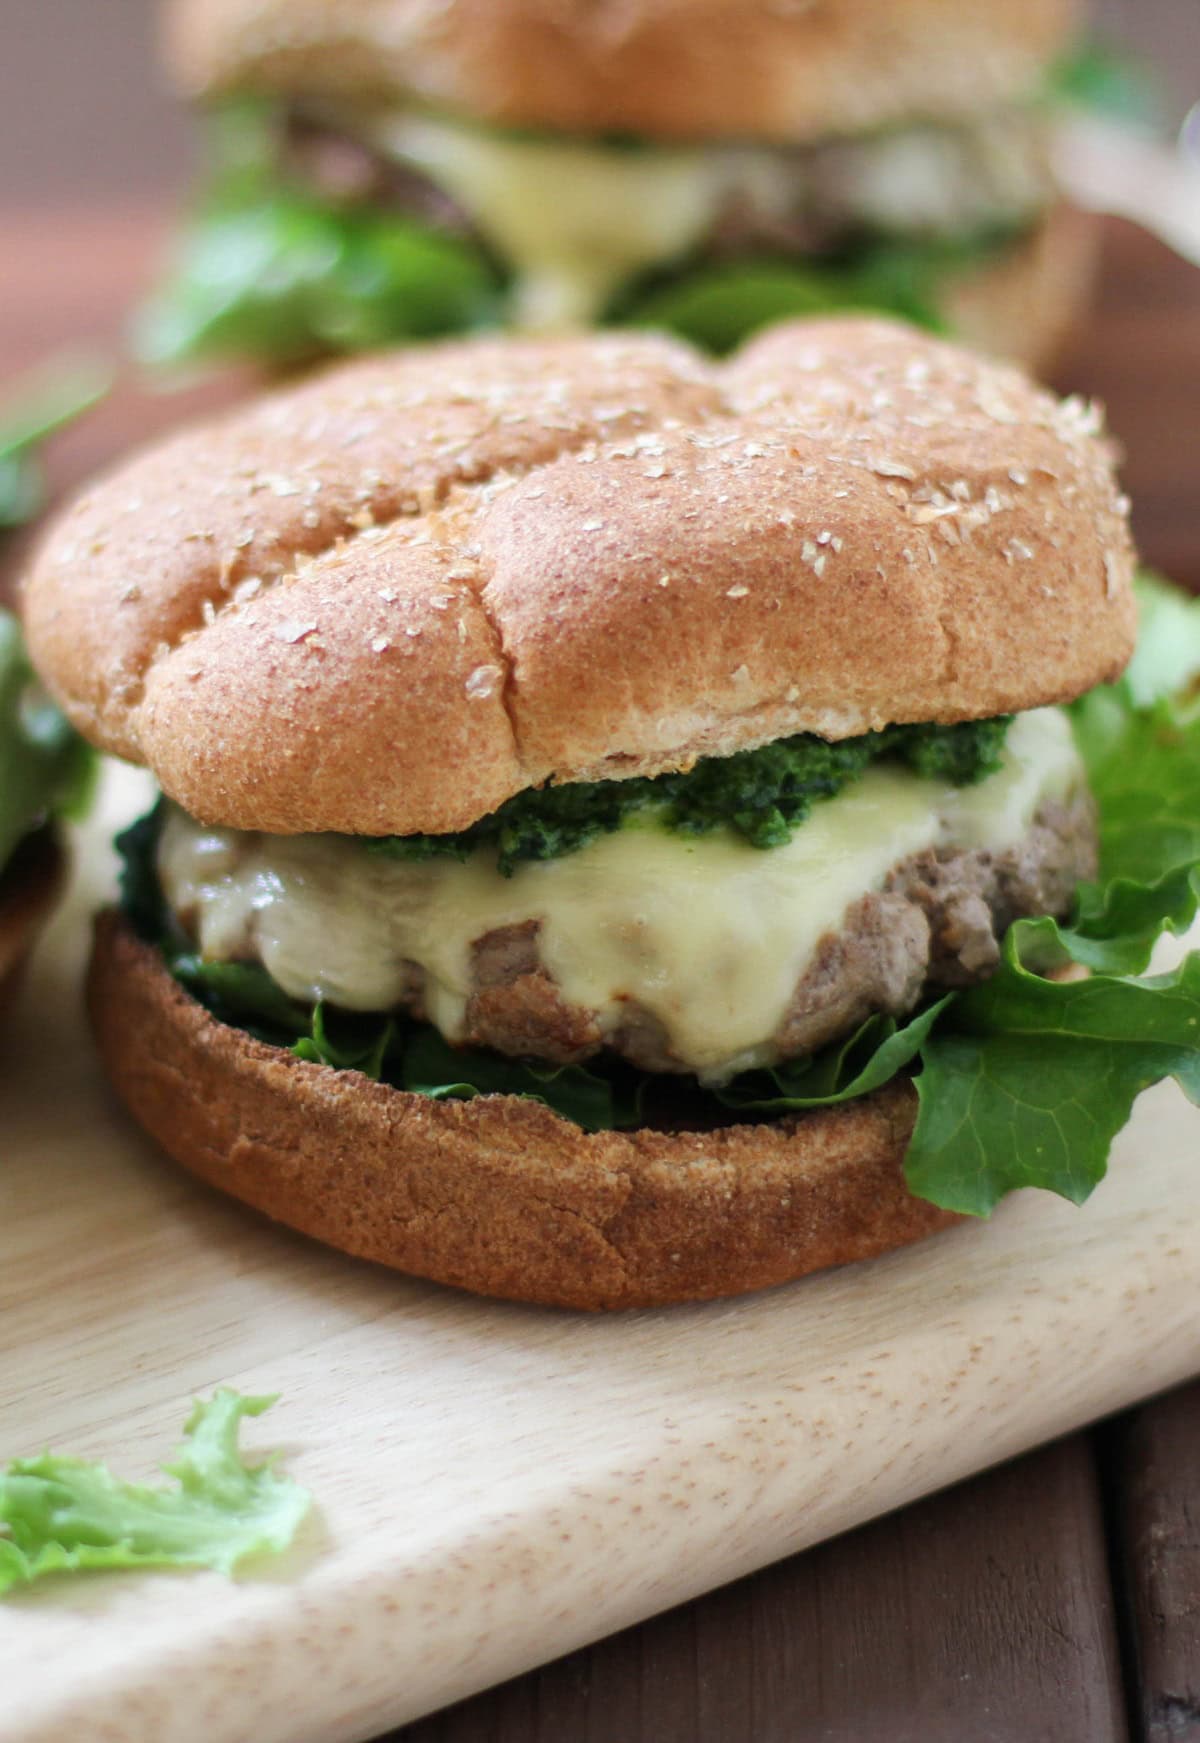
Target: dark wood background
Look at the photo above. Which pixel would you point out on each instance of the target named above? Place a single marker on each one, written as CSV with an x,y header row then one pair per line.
x,y
1053,1600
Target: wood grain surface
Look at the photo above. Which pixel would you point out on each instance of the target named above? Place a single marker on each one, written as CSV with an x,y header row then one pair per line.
x,y
985,1612
1155,1476
496,1485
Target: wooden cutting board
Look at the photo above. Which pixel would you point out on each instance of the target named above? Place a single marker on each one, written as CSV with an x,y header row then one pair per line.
x,y
497,1485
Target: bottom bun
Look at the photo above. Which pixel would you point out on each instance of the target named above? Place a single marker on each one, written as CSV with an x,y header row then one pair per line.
x,y
29,889
1025,300
499,1195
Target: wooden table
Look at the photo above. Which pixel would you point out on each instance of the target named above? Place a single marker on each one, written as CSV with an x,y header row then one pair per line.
x,y
1055,1598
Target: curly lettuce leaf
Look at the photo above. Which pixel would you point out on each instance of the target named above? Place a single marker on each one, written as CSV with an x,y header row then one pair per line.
x,y
1029,1079
1034,1078
44,768
717,306
1166,660
877,1051
286,278
271,269
62,1515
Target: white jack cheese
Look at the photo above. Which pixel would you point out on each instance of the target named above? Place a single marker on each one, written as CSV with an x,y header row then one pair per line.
x,y
708,934
574,221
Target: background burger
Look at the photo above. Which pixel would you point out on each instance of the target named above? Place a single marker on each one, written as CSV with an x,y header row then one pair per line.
x,y
43,769
599,779
397,170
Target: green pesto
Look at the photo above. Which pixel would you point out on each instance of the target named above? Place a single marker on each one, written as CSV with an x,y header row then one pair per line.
x,y
43,766
763,794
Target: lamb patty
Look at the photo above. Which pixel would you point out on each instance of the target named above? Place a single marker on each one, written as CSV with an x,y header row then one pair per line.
x,y
814,199
937,924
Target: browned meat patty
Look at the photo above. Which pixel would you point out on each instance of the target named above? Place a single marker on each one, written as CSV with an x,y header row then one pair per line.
x,y
937,923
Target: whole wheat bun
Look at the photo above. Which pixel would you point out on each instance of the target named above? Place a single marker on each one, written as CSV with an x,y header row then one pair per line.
x,y
499,1195
386,600
29,887
790,70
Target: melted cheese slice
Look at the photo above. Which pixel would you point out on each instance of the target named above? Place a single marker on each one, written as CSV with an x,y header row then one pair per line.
x,y
575,221
707,933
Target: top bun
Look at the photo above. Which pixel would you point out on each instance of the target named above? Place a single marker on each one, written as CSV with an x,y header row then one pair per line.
x,y
765,69
387,599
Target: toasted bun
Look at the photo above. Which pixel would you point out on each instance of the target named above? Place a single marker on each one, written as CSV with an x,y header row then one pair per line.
x,y
499,1195
782,69
386,600
1023,301
29,888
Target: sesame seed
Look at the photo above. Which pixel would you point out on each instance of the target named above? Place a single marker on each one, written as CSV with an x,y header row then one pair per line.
x,y
482,682
290,630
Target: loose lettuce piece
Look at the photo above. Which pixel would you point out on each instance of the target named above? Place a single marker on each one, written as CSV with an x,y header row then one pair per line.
x,y
52,397
61,1515
44,767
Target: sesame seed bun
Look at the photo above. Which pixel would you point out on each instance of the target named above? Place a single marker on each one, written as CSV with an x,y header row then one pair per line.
x,y
500,1195
386,600
790,70
29,887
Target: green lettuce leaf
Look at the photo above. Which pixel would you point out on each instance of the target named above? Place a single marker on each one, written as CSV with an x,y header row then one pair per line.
x,y
44,768
59,392
1034,1078
717,306
1111,81
1167,658
60,1515
1028,1079
286,278
268,268
871,1057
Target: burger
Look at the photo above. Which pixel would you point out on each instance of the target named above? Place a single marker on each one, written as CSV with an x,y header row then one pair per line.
x,y
43,769
623,814
402,170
